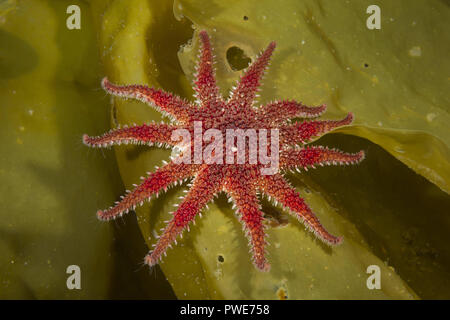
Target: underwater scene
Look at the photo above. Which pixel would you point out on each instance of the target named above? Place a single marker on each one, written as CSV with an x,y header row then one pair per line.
x,y
235,150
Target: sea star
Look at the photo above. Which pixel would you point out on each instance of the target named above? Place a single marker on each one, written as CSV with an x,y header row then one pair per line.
x,y
241,182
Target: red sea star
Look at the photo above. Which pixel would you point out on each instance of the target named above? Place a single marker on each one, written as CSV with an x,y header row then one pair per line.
x,y
241,182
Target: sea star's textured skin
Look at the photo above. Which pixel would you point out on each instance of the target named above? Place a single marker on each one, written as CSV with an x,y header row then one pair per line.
x,y
241,182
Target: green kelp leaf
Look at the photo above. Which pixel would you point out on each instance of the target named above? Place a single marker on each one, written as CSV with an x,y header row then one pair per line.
x,y
51,185
139,41
403,217
395,80
138,47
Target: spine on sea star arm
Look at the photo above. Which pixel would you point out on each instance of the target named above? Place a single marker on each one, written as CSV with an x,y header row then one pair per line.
x,y
205,186
317,155
164,102
277,187
156,181
243,95
248,207
304,131
143,134
281,111
205,83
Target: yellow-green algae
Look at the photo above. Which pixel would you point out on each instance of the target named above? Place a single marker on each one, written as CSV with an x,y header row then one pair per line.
x,y
51,184
322,50
325,54
388,215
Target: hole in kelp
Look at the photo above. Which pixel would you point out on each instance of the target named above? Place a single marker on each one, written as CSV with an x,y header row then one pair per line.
x,y
237,59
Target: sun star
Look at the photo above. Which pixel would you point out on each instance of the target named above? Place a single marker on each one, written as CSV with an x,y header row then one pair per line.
x,y
243,183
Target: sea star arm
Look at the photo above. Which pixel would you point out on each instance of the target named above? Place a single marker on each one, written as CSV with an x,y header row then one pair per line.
x,y
317,155
165,102
155,182
206,184
278,112
243,95
249,209
205,83
159,133
301,132
277,187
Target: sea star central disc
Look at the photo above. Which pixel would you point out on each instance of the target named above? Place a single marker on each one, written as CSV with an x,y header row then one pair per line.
x,y
242,179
